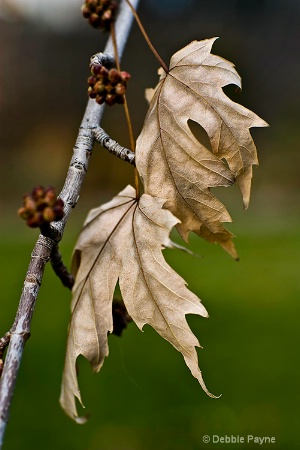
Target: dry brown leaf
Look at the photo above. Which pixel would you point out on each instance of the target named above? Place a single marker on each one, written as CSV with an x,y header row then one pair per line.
x,y
123,239
170,160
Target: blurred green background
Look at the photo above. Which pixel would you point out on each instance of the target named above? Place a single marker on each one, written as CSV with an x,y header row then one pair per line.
x,y
145,397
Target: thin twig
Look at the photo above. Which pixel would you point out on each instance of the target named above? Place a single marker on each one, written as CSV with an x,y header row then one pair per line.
x,y
146,37
60,269
44,247
113,147
126,109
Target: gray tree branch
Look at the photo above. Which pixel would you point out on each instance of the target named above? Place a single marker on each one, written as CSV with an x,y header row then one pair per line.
x,y
113,146
45,246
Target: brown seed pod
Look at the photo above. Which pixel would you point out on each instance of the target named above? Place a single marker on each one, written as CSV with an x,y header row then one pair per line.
x,y
41,207
100,13
107,86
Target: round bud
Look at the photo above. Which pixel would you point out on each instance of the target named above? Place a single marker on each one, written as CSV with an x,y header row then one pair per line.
x,y
38,193
110,99
24,213
109,88
48,214
107,15
100,99
50,196
85,12
96,69
103,71
113,76
125,76
91,92
59,203
120,89
29,203
94,19
91,81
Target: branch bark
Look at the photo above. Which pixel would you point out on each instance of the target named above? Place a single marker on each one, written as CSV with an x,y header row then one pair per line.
x,y
60,269
46,246
113,146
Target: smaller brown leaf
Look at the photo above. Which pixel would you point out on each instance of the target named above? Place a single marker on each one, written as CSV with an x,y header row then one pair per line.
x,y
123,240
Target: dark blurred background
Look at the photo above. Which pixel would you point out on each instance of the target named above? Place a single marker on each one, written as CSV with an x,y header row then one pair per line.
x,y
145,397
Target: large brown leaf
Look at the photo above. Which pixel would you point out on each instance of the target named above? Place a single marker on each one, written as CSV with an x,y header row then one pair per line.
x,y
123,240
171,161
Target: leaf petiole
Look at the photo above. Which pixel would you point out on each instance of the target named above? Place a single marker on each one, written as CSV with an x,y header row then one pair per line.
x,y
143,31
127,114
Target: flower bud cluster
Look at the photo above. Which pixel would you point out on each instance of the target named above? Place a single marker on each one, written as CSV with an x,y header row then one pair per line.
x,y
41,207
100,13
107,86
